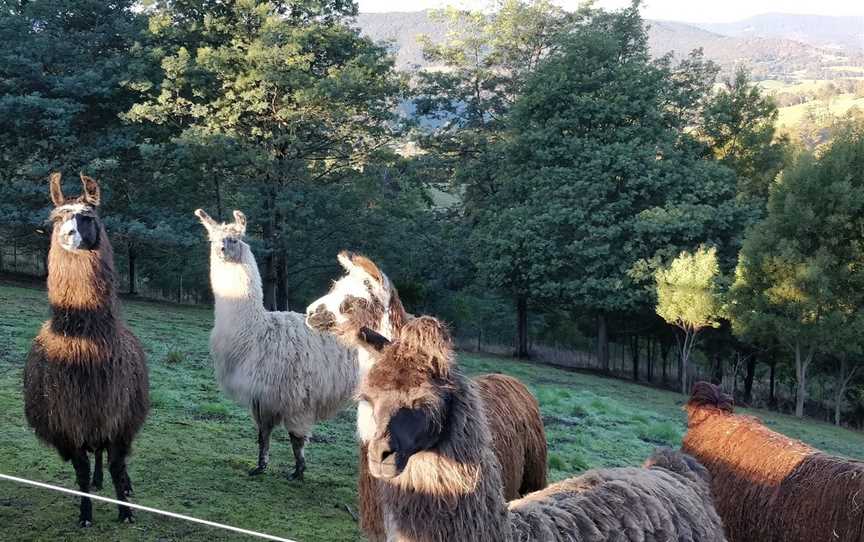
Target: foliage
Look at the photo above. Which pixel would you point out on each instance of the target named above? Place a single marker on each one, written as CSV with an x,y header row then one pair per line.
x,y
597,182
299,98
739,126
800,276
687,298
61,72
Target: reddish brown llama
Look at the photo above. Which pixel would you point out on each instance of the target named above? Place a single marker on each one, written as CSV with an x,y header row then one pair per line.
x,y
768,487
365,297
85,381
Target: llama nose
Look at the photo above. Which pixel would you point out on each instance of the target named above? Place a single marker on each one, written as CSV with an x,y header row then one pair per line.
x,y
385,452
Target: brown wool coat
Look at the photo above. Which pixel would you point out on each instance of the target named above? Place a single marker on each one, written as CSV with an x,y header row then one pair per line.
x,y
85,379
768,487
453,491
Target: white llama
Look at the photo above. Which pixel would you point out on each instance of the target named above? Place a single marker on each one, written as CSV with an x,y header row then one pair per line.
x,y
270,362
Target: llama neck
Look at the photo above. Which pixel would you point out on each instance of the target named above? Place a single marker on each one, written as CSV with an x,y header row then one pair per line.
x,y
236,286
447,492
81,289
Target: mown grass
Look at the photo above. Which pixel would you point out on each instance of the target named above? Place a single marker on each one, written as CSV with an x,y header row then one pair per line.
x,y
193,453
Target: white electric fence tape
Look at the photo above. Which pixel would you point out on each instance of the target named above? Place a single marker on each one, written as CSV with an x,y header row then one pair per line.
x,y
144,508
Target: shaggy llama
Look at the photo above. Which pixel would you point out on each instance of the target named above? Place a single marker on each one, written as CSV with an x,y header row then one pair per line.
x,y
365,297
270,362
440,479
85,381
771,488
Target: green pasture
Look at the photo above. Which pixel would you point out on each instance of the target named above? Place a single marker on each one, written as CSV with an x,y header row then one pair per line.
x,y
193,453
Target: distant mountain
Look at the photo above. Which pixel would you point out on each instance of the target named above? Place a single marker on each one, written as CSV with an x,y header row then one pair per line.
x,y
403,28
840,33
768,57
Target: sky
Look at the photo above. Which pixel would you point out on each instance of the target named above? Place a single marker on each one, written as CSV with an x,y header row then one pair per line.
x,y
677,10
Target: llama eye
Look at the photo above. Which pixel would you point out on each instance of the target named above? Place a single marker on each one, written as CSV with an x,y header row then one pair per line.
x,y
367,284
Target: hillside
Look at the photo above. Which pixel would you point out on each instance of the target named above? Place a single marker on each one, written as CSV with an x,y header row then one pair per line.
x,y
196,447
767,56
838,33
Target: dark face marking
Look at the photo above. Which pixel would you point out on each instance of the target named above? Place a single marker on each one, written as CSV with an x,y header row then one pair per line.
x,y
321,319
88,228
372,338
77,229
230,249
410,430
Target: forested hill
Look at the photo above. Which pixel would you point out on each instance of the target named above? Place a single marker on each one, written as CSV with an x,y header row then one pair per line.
x,y
841,33
769,54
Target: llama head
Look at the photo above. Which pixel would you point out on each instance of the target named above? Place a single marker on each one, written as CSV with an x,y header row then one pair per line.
x,y
705,400
409,391
226,240
76,222
364,296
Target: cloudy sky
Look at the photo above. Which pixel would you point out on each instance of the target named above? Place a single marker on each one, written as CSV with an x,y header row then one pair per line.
x,y
678,10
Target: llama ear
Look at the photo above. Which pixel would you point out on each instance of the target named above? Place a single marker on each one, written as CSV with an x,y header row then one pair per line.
x,y
92,193
373,338
351,261
205,219
56,192
240,220
345,258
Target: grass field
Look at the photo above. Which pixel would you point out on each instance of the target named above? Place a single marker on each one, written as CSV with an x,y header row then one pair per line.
x,y
792,115
193,453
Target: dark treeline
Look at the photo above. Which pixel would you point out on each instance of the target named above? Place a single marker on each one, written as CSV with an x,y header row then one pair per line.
x,y
549,182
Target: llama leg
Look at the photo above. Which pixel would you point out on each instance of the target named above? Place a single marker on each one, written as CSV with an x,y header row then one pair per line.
x,y
117,467
298,443
82,474
97,470
266,422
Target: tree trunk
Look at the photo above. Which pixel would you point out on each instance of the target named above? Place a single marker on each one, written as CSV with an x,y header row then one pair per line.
x,y
748,379
45,251
802,362
281,281
772,400
843,380
132,256
718,370
665,348
521,327
602,342
269,260
634,353
650,351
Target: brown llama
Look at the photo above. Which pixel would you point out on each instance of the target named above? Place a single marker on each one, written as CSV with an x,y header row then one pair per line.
x,y
85,381
440,480
365,296
768,487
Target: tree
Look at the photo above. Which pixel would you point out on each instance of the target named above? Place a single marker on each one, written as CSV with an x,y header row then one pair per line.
x,y
687,298
487,58
739,125
61,72
304,100
597,182
800,277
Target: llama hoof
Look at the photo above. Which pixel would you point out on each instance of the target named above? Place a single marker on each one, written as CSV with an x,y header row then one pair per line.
x,y
128,519
297,475
84,523
257,470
